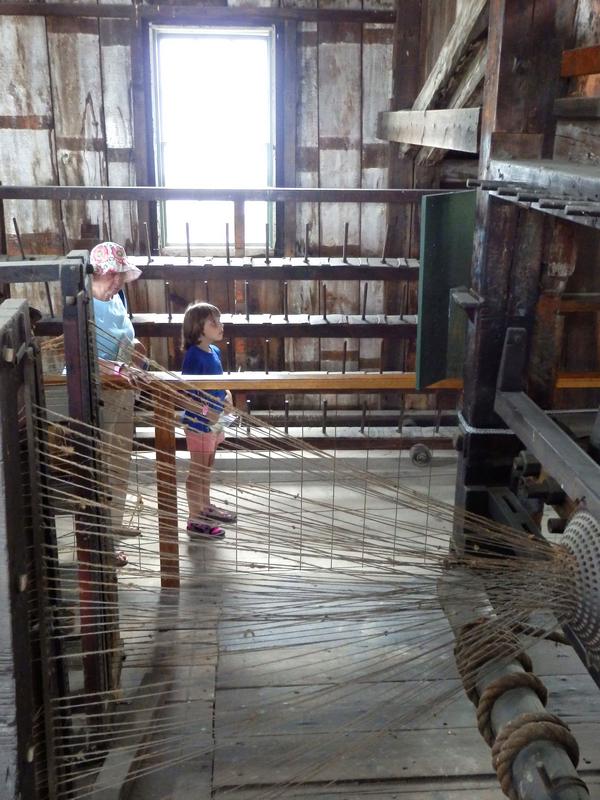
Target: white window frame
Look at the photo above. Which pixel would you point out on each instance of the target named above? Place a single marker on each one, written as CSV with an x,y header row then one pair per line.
x,y
156,31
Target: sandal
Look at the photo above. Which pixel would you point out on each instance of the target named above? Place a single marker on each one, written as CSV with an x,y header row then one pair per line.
x,y
220,514
119,559
205,529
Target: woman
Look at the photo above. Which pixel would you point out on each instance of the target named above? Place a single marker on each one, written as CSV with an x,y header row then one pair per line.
x,y
119,353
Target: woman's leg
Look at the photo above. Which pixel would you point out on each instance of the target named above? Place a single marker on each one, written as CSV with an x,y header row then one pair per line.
x,y
118,436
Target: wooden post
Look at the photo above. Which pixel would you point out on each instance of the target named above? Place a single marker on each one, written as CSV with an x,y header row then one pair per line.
x,y
166,490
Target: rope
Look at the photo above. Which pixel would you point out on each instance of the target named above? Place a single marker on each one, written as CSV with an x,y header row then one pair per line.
x,y
474,649
516,680
522,731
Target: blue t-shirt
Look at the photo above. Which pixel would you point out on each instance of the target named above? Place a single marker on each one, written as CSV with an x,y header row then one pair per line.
x,y
113,326
200,362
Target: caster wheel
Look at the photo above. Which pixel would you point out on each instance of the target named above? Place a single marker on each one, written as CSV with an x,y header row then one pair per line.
x,y
420,455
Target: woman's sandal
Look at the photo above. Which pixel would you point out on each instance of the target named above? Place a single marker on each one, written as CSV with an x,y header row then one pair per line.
x,y
205,529
220,514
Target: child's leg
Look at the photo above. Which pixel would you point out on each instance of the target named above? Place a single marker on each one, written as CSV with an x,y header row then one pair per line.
x,y
198,482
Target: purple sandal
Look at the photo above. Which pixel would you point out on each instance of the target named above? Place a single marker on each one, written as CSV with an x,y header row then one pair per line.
x,y
205,529
220,514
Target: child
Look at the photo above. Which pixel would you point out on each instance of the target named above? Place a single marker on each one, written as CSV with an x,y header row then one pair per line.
x,y
202,327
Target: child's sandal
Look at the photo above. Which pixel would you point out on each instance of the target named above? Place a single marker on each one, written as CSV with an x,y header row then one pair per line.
x,y
220,514
205,529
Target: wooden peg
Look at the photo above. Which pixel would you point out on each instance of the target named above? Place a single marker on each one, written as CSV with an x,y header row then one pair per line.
x,y
19,241
267,259
148,248
168,301
345,247
306,230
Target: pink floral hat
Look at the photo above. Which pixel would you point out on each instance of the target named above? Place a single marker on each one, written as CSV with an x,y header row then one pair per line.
x,y
108,258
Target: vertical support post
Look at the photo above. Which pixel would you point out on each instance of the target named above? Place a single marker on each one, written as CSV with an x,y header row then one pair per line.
x,y
93,548
19,685
166,490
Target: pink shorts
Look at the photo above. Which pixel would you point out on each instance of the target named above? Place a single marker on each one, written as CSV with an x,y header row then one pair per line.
x,y
203,442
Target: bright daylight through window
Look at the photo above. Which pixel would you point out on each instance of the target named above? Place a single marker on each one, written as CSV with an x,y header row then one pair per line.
x,y
214,127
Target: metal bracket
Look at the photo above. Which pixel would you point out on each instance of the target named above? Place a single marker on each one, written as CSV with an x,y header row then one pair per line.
x,y
467,299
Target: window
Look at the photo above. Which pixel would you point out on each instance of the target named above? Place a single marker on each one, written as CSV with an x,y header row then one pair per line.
x,y
214,127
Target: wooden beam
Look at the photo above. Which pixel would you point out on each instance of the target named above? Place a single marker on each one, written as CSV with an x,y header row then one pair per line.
x,y
405,87
161,193
560,178
450,129
577,107
458,170
206,14
456,42
470,81
271,325
326,382
582,61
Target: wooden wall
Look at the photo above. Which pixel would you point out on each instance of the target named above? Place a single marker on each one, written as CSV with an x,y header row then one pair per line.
x,y
71,116
578,140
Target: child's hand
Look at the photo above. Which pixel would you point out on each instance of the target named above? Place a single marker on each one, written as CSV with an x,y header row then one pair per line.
x,y
228,402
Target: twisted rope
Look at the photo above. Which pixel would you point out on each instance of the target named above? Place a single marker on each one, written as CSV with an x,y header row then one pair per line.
x,y
522,731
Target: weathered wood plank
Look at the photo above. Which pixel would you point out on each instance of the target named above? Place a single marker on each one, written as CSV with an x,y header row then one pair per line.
x,y
380,756
458,38
340,142
73,46
450,129
26,145
465,94
577,107
558,177
581,61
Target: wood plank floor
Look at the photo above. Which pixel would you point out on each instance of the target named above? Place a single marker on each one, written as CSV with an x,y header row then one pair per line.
x,y
266,723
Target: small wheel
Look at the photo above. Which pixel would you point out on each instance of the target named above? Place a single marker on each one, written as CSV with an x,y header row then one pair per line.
x,y
420,455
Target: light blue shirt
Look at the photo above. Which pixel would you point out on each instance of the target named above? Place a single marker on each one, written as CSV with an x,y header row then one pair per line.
x,y
113,326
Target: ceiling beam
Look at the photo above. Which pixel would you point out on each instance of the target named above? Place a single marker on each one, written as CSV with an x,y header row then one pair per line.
x,y
199,14
450,129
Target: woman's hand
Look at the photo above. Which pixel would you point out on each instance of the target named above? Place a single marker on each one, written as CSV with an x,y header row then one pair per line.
x,y
137,378
139,358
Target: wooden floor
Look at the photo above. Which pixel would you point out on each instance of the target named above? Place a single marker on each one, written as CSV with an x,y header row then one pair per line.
x,y
261,727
